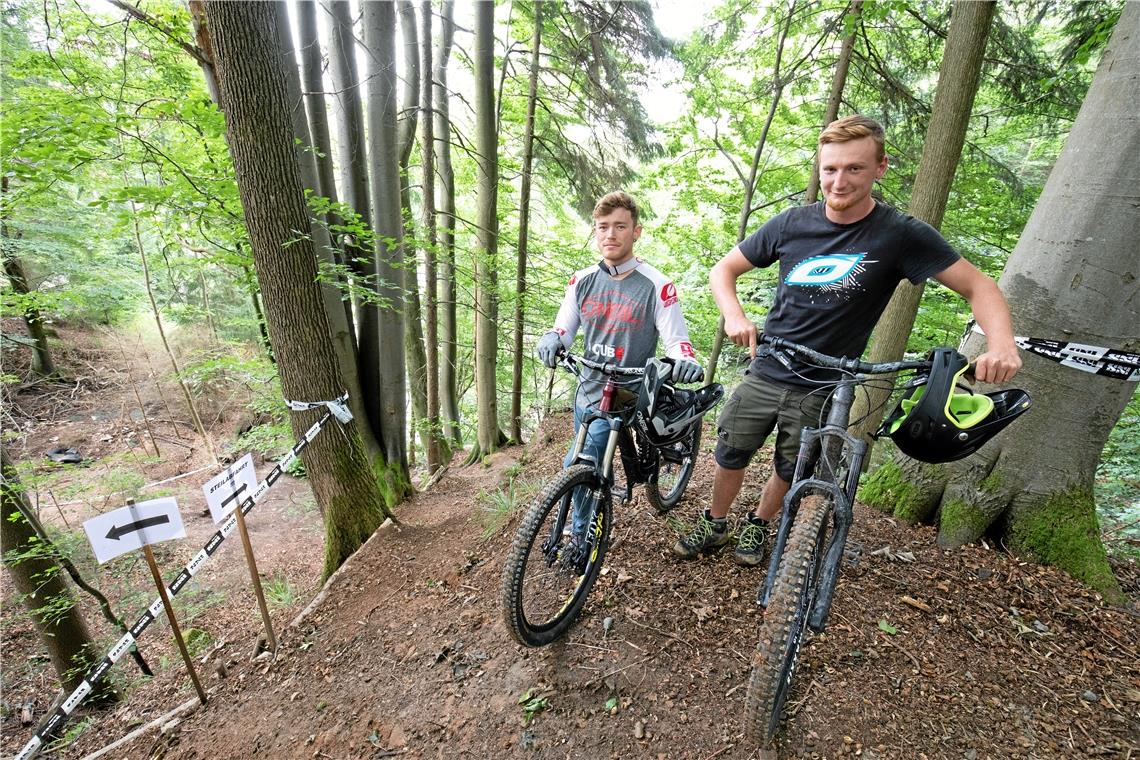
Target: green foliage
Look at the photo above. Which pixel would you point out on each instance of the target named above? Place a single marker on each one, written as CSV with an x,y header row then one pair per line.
x,y
498,506
532,704
1117,486
280,593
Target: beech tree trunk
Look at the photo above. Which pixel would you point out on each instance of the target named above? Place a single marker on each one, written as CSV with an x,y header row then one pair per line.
x,y
42,363
413,313
39,579
449,334
277,218
489,436
957,85
838,82
524,226
384,177
438,451
1072,276
343,340
352,160
312,81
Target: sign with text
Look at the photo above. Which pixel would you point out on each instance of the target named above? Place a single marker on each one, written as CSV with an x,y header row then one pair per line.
x,y
230,487
134,526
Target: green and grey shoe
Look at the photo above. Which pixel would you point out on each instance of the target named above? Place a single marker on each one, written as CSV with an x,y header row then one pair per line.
x,y
750,542
708,536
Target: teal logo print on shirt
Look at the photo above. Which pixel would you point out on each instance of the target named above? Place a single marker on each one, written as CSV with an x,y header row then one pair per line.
x,y
828,269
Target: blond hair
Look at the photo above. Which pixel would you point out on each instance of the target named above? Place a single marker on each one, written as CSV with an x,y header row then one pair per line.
x,y
854,127
615,200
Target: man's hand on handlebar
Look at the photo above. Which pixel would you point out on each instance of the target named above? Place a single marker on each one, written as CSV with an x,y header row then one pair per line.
x,y
686,371
549,346
742,332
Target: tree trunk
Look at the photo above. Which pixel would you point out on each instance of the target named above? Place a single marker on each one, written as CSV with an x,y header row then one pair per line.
x,y
42,364
957,85
1071,277
754,170
352,157
524,225
413,313
332,298
312,80
838,82
254,99
38,578
437,452
384,176
449,334
486,234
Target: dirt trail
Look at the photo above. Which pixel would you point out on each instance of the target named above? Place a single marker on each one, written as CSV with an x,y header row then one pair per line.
x,y
966,654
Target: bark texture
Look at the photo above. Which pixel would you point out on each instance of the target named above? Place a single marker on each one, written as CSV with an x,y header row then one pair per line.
x,y
958,79
277,218
39,580
1074,275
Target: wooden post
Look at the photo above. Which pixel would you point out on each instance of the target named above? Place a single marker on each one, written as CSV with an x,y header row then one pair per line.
x,y
173,622
270,639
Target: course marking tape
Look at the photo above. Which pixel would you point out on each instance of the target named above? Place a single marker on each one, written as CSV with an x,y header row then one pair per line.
x,y
123,645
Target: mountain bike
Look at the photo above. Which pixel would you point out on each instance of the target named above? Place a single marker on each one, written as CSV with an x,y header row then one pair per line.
x,y
817,513
656,428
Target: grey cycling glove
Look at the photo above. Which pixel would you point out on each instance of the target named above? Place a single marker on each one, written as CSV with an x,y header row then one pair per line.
x,y
548,347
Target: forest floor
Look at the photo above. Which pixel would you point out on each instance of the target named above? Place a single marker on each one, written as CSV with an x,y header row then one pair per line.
x,y
928,653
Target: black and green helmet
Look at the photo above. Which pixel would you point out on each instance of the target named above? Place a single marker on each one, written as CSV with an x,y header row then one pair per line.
x,y
937,420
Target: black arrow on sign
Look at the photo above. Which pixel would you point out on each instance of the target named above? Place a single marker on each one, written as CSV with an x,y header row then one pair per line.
x,y
116,532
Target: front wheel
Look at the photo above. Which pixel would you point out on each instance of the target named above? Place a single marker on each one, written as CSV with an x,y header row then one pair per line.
x,y
675,464
781,631
545,583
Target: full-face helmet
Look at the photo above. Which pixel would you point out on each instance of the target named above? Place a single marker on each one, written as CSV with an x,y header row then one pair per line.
x,y
668,412
937,421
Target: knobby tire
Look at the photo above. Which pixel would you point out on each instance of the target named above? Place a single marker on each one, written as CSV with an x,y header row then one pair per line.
x,y
665,499
781,632
529,572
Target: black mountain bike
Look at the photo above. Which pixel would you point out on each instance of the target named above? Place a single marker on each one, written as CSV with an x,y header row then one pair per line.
x,y
804,565
547,577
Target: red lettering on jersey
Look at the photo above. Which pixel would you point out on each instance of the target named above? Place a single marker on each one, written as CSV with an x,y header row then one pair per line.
x,y
669,295
611,312
687,351
573,279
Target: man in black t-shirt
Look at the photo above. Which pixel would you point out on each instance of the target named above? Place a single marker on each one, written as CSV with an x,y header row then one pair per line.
x,y
840,261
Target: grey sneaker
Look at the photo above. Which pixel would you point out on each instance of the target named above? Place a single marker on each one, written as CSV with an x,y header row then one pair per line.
x,y
750,542
707,536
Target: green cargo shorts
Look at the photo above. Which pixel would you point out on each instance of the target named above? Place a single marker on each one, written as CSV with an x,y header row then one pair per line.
x,y
754,409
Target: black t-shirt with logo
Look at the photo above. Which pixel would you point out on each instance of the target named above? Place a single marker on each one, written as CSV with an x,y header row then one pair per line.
x,y
836,279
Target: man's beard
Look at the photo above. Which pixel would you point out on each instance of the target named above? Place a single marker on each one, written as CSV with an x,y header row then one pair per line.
x,y
841,204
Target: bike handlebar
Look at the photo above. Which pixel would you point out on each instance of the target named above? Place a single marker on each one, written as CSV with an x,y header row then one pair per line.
x,y
569,360
837,362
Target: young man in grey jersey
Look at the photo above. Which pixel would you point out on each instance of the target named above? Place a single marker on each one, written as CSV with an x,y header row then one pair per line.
x,y
840,261
623,305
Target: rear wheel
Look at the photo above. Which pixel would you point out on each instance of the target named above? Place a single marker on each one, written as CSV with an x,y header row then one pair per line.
x,y
544,582
781,632
675,464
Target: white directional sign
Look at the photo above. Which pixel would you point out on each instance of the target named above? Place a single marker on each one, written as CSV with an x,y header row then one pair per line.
x,y
230,487
133,526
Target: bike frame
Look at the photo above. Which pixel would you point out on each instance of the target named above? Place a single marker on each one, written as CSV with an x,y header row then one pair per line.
x,y
834,443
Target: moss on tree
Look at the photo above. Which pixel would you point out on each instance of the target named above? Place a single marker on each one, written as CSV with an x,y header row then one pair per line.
x,y
889,490
961,522
1063,531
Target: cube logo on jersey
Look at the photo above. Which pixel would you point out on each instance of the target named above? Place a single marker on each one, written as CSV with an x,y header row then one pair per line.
x,y
608,352
668,295
613,312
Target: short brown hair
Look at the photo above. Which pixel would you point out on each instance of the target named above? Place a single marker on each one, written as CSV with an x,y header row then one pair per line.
x,y
615,200
854,128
